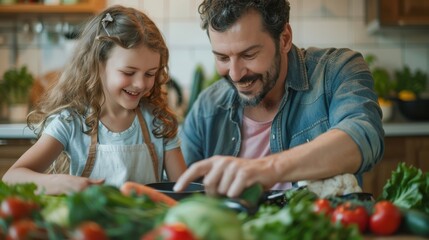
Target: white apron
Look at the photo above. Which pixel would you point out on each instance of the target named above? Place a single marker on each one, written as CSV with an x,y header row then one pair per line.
x,y
120,163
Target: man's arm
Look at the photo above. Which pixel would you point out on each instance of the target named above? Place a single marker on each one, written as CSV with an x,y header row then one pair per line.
x,y
330,154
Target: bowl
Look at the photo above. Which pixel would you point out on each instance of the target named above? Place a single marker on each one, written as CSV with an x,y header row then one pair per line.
x,y
167,189
417,110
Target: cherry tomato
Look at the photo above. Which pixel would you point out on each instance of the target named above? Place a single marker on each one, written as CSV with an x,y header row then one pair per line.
x,y
22,229
349,214
386,218
89,231
16,208
323,206
175,231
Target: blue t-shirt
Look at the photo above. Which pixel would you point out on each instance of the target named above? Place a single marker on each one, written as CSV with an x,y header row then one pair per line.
x,y
69,130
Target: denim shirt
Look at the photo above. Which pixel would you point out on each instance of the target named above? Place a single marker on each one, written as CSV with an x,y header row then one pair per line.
x,y
325,89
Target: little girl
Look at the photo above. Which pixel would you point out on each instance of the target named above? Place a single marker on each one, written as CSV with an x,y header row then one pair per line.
x,y
108,113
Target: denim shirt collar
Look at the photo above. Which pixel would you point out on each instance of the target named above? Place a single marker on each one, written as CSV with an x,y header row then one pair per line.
x,y
297,78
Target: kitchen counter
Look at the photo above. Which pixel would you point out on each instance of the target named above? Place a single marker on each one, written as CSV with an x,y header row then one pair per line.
x,y
406,129
392,129
16,131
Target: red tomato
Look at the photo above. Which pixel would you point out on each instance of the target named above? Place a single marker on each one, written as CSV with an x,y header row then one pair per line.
x,y
323,206
386,218
16,208
348,214
23,229
175,231
89,231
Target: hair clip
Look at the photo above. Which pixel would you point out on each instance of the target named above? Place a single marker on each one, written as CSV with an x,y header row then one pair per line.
x,y
105,21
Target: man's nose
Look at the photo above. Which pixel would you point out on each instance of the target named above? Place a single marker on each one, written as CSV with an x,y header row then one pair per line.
x,y
236,70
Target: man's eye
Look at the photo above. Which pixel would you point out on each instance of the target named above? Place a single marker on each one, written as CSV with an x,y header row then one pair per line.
x,y
249,56
222,58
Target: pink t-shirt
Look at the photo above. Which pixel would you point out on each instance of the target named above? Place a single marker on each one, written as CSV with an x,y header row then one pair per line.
x,y
256,143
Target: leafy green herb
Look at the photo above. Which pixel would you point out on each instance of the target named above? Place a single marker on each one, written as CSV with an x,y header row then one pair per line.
x,y
24,190
122,216
406,79
16,85
408,187
296,222
383,85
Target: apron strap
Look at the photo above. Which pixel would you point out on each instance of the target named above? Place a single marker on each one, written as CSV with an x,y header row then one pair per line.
x,y
149,144
93,148
90,161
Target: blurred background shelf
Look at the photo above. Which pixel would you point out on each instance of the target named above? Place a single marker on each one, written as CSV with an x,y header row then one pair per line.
x,y
89,7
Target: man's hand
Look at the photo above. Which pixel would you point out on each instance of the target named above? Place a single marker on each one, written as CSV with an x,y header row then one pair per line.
x,y
225,175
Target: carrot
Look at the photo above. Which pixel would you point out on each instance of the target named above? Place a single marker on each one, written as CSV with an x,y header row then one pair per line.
x,y
132,187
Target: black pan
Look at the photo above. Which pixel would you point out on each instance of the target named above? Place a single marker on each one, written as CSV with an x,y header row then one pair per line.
x,y
167,189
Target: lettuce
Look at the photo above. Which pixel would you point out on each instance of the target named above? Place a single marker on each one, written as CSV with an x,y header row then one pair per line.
x,y
26,191
208,218
407,188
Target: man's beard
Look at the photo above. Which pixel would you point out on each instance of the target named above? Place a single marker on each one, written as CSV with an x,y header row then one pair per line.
x,y
269,80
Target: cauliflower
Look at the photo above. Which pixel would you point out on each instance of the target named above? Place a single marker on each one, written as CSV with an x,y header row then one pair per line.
x,y
335,186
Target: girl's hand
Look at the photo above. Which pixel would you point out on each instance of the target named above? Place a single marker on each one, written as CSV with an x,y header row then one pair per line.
x,y
65,183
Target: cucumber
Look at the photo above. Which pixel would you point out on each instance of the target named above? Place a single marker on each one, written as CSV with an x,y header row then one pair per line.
x,y
303,195
253,194
197,86
416,222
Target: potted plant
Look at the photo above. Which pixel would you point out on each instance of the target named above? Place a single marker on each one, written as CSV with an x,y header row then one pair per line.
x,y
383,87
409,88
15,88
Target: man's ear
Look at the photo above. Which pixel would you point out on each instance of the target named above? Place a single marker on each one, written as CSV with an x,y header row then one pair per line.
x,y
286,39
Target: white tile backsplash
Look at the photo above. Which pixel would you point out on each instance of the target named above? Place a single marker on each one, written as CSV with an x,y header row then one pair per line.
x,y
311,8
335,8
321,23
416,58
324,32
357,9
182,65
185,33
359,33
155,9
180,9
30,57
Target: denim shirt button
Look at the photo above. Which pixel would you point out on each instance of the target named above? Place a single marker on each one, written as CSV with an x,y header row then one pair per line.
x,y
274,136
233,139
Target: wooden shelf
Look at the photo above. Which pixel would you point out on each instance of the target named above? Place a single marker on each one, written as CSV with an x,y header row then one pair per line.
x,y
87,7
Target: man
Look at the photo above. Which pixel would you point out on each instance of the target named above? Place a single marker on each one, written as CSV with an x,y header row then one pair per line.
x,y
281,114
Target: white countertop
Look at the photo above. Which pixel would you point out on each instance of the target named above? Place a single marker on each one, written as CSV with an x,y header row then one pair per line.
x,y
406,129
15,131
21,131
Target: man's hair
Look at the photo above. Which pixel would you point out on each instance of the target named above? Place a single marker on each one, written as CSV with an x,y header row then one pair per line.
x,y
222,14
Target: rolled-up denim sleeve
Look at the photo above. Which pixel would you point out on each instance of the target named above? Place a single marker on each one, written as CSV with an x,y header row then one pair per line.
x,y
354,107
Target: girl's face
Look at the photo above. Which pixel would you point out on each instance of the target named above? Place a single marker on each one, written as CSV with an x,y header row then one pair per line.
x,y
128,75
